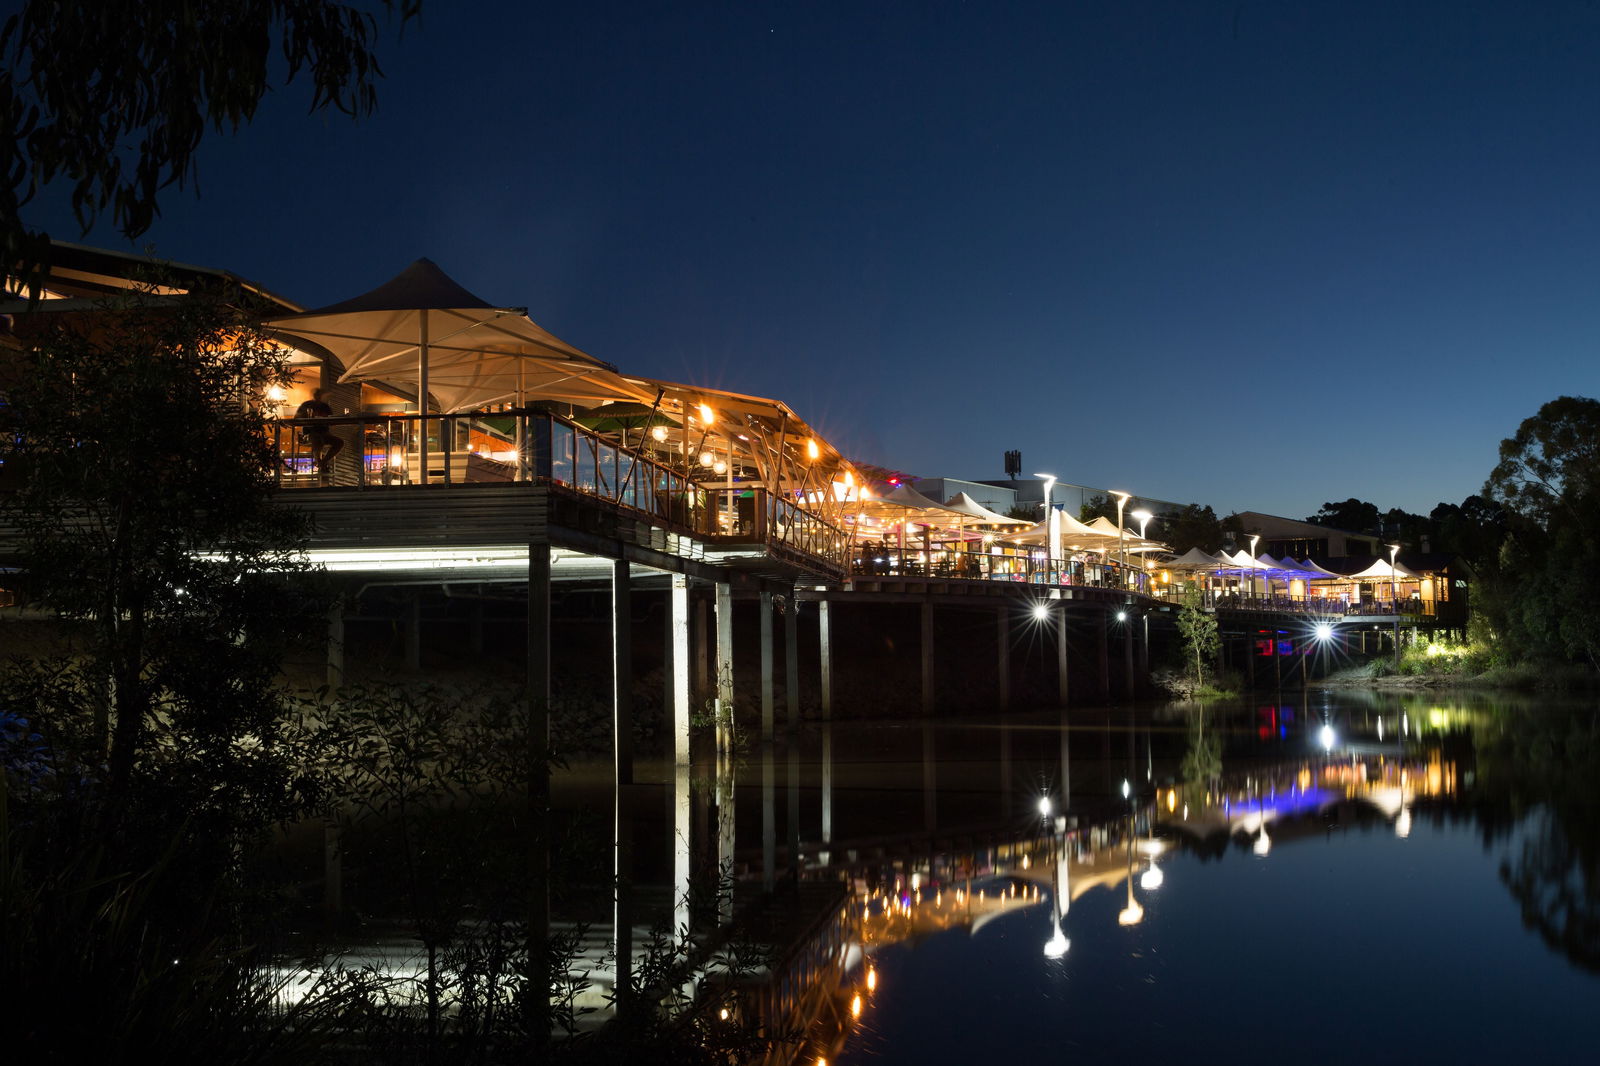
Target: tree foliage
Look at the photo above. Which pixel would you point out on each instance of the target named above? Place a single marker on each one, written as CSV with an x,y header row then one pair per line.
x,y
139,497
1551,467
1201,639
114,98
1352,516
1546,482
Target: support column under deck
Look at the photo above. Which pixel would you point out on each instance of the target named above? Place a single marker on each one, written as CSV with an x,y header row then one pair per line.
x,y
791,687
1127,653
414,630
1102,647
724,758
538,727
622,772
927,658
335,664
769,819
1002,625
1062,677
680,667
825,648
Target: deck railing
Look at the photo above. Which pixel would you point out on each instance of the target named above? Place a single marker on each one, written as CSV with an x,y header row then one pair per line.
x,y
382,451
1020,564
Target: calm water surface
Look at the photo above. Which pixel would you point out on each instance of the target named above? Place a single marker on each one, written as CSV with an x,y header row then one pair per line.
x,y
1420,882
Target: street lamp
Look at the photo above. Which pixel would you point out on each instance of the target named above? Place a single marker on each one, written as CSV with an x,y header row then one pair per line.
x,y
1143,517
1122,550
1394,600
1255,538
1052,525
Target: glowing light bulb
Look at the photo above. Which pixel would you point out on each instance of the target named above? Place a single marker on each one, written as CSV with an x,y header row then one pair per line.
x,y
659,433
812,451
707,415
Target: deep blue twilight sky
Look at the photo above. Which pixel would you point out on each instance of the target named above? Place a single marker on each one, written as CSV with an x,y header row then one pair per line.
x,y
1256,254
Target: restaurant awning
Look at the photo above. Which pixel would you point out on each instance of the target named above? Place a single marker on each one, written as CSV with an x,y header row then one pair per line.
x,y
422,327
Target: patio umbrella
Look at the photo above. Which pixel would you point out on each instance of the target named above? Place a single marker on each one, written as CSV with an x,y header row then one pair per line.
x,y
624,416
422,327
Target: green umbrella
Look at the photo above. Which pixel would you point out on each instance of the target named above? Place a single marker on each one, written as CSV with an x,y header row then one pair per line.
x,y
624,417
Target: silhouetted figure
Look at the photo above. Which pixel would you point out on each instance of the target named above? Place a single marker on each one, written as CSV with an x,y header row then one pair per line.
x,y
319,438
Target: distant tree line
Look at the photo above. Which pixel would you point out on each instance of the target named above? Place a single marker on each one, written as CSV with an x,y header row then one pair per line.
x,y
1528,535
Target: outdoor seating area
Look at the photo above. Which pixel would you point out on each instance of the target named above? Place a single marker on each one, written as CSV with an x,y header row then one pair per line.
x,y
508,402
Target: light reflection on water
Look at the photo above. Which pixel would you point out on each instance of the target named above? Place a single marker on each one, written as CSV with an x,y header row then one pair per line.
x,y
1425,888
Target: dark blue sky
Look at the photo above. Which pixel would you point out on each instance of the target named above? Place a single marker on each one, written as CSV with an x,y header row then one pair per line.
x,y
1257,255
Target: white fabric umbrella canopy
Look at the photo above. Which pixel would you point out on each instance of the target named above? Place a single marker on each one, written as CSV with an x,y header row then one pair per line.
x,y
966,505
422,327
1381,570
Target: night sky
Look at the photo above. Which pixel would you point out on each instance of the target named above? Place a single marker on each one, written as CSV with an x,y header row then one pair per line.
x,y
1256,255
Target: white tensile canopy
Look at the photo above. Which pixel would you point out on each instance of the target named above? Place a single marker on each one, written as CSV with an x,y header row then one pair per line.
x,y
422,327
1381,571
1197,559
964,504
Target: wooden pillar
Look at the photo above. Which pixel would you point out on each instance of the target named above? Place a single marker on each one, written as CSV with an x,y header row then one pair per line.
x,y
538,723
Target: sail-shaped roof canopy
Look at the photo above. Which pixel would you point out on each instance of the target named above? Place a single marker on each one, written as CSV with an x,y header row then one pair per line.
x,y
421,326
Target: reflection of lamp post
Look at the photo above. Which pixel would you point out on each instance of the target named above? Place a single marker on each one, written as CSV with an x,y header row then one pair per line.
x,y
1122,550
1132,913
1058,943
1394,599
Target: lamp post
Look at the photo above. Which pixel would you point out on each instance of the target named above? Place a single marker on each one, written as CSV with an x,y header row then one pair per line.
x,y
1255,538
1394,600
1052,525
1143,517
1122,549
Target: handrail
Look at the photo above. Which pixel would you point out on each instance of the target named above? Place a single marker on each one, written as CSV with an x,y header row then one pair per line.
x,y
532,446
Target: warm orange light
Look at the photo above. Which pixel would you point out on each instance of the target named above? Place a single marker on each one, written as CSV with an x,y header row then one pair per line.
x,y
855,1007
872,979
707,415
812,451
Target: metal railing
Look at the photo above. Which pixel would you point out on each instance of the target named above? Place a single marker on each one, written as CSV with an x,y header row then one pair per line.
x,y
381,451
988,563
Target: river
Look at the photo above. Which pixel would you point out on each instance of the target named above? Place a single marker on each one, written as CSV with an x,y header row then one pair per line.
x,y
1345,876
